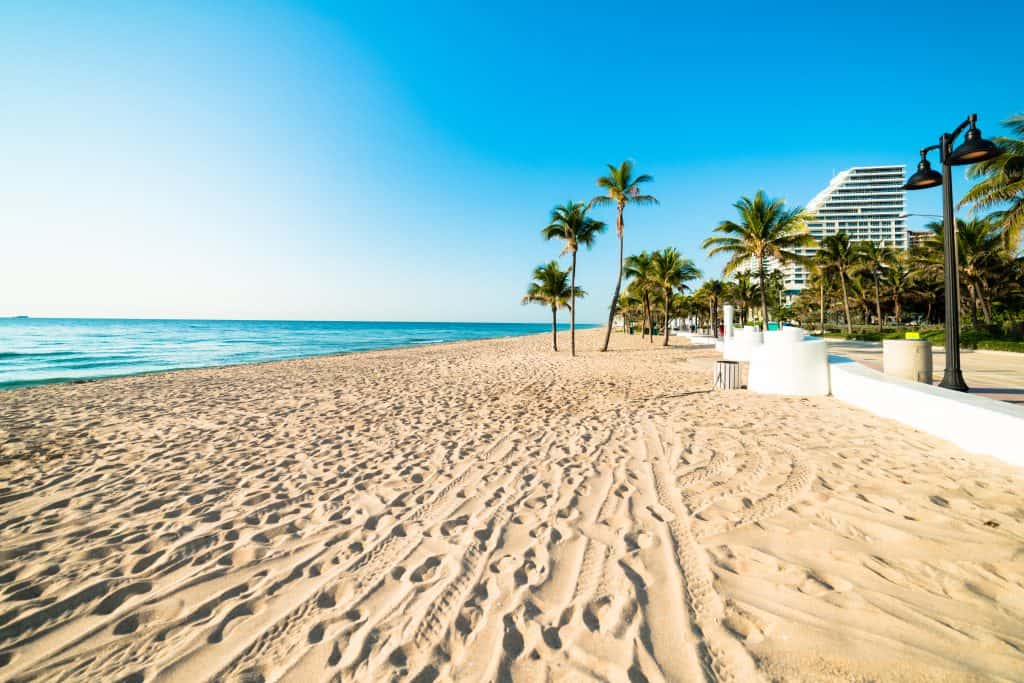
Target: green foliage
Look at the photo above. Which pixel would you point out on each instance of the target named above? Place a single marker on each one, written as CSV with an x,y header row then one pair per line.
x,y
571,224
1001,183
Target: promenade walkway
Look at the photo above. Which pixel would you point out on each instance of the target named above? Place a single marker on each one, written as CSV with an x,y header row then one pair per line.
x,y
994,374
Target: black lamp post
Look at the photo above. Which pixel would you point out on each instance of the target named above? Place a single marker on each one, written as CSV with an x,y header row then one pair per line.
x,y
974,149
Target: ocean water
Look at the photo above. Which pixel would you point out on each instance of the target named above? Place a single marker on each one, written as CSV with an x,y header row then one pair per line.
x,y
44,350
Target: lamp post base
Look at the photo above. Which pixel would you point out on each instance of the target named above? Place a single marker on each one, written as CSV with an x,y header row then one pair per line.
x,y
953,379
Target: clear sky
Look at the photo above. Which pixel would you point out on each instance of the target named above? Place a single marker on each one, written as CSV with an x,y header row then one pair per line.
x,y
396,161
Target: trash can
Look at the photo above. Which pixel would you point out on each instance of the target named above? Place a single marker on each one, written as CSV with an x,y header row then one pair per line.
x,y
908,358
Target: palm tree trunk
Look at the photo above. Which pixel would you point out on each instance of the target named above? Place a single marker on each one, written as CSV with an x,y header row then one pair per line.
x,y
554,327
986,306
846,303
897,309
572,309
668,300
764,301
878,306
618,283
821,305
648,318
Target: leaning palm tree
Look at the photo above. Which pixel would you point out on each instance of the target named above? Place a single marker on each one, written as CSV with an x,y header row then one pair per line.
x,y
874,260
621,188
767,229
839,256
571,224
670,271
550,287
1001,183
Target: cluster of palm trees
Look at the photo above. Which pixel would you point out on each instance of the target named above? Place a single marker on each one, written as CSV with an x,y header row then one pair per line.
x,y
879,281
571,224
882,282
849,279
657,282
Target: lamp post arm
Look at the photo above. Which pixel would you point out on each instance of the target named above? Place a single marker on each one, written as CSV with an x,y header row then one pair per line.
x,y
969,121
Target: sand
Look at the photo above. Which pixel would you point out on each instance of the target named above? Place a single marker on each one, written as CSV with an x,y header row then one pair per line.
x,y
492,511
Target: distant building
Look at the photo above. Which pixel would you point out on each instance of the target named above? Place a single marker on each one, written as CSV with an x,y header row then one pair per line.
x,y
866,202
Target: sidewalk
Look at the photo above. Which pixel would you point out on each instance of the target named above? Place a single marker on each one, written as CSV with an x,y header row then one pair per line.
x,y
993,374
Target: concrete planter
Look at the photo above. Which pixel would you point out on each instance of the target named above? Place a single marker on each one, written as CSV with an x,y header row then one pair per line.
x,y
908,359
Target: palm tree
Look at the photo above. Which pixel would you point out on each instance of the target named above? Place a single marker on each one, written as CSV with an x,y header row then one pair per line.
x,y
630,305
820,277
839,257
1002,183
669,270
743,292
571,224
875,259
898,284
639,270
621,188
982,257
550,287
766,229
713,291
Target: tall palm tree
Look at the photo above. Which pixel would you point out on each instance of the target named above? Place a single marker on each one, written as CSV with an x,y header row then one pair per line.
x,y
621,188
766,229
639,269
550,287
670,271
571,224
874,260
1001,183
839,256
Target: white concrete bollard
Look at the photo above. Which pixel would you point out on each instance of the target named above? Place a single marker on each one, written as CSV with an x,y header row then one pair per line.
x,y
789,364
743,341
908,358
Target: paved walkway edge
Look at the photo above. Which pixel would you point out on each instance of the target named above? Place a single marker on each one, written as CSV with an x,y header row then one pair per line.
x,y
975,423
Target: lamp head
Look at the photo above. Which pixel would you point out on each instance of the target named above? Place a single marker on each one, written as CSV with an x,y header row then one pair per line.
x,y
924,178
974,149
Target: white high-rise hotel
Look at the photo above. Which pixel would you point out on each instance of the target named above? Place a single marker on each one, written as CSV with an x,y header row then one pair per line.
x,y
866,202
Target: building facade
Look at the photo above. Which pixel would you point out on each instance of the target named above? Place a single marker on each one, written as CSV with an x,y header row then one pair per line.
x,y
867,203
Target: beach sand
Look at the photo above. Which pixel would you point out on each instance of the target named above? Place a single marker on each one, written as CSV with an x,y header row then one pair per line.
x,y
492,510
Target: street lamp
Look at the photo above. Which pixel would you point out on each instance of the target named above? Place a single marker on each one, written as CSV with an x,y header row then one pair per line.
x,y
973,149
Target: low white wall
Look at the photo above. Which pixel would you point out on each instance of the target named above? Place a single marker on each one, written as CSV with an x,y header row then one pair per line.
x,y
975,423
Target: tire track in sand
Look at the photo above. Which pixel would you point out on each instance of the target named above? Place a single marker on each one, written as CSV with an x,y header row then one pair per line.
x,y
724,657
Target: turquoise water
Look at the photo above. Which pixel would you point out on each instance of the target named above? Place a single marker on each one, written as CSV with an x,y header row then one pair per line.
x,y
44,350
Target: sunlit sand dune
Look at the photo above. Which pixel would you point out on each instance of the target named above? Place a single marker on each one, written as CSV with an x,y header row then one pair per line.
x,y
493,510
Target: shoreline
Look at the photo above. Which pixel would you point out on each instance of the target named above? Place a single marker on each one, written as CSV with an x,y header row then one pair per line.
x,y
403,345
491,509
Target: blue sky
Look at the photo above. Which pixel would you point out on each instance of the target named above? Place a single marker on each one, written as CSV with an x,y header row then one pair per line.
x,y
396,161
